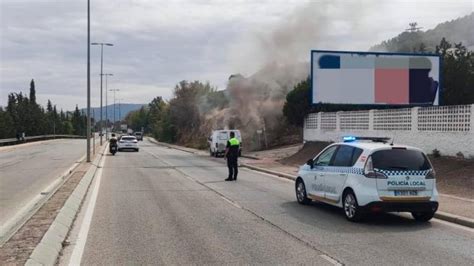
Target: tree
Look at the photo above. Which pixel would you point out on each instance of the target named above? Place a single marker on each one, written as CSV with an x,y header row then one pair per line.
x,y
7,128
457,73
32,91
297,104
184,107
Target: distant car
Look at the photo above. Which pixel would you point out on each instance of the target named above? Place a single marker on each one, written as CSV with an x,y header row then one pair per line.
x,y
128,143
375,176
139,135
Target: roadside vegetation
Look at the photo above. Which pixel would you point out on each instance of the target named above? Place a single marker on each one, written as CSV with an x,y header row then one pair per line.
x,y
24,115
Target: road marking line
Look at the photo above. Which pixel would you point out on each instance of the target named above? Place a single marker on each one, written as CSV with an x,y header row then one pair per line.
x,y
78,251
331,260
231,202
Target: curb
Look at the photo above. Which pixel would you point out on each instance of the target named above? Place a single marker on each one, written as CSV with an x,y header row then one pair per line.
x,y
263,170
172,146
50,246
454,219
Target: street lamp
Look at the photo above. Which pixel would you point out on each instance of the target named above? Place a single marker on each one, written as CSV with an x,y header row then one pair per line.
x,y
101,68
106,105
114,90
88,131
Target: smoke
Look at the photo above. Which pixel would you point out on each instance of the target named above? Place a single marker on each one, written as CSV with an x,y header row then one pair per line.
x,y
277,59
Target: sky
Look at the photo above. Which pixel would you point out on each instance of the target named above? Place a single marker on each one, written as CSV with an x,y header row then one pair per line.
x,y
158,43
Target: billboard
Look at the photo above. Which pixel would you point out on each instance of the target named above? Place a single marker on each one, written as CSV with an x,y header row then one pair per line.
x,y
374,78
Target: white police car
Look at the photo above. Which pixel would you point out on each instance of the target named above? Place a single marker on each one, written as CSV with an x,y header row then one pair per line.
x,y
372,176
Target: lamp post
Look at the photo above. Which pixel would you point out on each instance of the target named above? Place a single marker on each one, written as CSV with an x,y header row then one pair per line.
x,y
120,111
101,68
106,105
114,90
88,82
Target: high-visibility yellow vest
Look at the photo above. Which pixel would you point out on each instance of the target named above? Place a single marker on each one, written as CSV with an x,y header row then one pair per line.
x,y
234,142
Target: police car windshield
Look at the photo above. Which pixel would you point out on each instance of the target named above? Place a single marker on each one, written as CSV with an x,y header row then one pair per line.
x,y
400,159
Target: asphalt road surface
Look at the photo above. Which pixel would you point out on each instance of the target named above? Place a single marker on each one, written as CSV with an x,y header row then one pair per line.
x,y
26,170
164,206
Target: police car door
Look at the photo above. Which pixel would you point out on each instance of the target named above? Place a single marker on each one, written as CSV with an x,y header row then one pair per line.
x,y
340,167
320,171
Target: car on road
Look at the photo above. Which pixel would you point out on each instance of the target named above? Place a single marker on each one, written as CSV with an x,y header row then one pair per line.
x,y
139,135
364,174
128,143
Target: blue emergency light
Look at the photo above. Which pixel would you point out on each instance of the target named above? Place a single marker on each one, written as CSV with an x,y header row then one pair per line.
x,y
349,138
373,139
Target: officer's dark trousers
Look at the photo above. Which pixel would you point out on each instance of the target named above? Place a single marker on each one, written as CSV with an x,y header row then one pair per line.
x,y
232,165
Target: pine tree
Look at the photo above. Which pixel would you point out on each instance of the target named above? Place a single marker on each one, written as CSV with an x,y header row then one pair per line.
x,y
32,92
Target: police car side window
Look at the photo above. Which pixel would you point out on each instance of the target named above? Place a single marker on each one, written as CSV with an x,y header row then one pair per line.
x,y
325,158
343,156
355,155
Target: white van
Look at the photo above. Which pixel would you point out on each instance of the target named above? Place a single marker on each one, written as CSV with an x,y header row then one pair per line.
x,y
218,141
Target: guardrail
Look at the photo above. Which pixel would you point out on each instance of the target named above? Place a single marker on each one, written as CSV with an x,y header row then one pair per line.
x,y
13,141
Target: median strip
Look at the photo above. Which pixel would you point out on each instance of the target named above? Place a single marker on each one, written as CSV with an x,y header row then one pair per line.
x,y
50,246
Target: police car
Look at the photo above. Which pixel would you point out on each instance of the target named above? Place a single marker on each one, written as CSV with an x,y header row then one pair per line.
x,y
364,174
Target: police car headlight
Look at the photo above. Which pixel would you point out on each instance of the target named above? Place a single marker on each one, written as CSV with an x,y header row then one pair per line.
x,y
431,174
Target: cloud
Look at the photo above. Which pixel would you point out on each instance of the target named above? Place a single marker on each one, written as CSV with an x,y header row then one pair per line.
x,y
159,43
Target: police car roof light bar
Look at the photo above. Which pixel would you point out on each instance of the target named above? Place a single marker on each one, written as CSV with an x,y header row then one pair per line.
x,y
373,139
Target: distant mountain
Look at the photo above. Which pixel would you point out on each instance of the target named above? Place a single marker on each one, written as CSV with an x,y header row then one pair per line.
x,y
121,110
455,31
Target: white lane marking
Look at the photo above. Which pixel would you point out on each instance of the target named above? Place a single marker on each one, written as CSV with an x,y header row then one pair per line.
x,y
231,202
331,260
76,256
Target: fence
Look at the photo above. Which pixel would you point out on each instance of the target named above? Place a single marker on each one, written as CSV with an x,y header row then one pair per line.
x,y
449,129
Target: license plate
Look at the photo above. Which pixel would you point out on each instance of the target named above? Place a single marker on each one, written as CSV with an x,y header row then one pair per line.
x,y
128,145
405,193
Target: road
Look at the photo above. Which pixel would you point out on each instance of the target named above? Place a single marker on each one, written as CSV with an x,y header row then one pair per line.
x,y
26,170
164,206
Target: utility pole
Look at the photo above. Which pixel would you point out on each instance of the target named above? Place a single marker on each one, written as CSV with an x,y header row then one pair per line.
x,y
88,81
101,70
114,90
106,105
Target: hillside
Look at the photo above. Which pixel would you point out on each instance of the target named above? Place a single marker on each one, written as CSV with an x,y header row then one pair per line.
x,y
120,111
455,31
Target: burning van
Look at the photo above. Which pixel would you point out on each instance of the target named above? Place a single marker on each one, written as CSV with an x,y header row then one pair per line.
x,y
218,141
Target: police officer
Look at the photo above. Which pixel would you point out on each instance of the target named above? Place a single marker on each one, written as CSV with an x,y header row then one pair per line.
x,y
232,153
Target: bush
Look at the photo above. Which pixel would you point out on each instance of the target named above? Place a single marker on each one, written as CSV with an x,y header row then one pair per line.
x,y
436,153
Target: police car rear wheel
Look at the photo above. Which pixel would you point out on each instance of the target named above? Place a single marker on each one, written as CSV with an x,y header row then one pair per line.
x,y
351,208
422,216
301,193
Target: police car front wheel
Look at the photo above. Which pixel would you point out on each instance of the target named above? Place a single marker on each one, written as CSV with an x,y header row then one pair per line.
x,y
351,208
300,190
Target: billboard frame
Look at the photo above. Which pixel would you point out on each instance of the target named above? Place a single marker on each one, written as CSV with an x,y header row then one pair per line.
x,y
440,64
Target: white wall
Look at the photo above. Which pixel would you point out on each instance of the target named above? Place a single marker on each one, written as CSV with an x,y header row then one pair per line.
x,y
449,129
